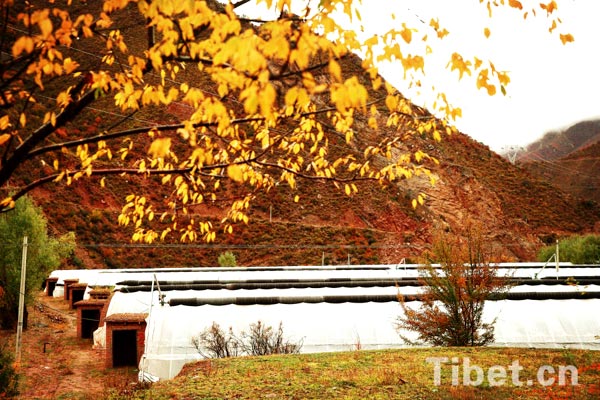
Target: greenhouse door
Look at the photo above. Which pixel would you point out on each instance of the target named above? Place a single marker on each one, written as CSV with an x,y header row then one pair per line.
x,y
124,347
89,323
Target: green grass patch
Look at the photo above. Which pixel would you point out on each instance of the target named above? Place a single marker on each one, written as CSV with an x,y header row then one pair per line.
x,y
391,374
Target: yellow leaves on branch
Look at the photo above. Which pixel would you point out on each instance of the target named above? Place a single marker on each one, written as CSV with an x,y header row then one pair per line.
x,y
350,94
7,203
420,200
236,173
441,32
457,62
160,148
549,7
268,101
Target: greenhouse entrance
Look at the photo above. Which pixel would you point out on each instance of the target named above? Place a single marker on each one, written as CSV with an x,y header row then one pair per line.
x,y
124,347
89,323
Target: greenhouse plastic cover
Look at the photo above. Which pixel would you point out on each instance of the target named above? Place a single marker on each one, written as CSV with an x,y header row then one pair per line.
x,y
345,326
95,277
325,326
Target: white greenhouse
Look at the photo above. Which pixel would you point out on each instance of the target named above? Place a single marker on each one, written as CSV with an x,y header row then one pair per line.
x,y
329,308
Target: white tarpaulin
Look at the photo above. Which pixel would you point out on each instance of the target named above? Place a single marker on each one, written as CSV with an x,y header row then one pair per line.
x,y
327,326
337,327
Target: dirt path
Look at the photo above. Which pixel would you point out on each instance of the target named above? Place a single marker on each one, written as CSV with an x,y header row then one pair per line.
x,y
55,363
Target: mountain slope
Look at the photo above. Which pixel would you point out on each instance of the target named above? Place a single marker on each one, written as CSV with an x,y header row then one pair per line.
x,y
570,161
518,211
377,225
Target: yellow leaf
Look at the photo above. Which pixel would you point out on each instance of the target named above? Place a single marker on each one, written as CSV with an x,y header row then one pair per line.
x,y
8,202
236,173
566,38
348,190
391,102
4,122
550,7
69,65
486,32
24,43
102,182
457,62
296,199
406,33
414,203
515,4
160,147
335,70
4,138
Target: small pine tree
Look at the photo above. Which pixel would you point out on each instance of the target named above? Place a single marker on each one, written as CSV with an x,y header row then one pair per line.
x,y
227,259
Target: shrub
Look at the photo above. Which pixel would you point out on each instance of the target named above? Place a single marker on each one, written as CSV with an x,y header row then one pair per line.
x,y
576,249
263,340
9,379
213,342
260,340
227,259
454,295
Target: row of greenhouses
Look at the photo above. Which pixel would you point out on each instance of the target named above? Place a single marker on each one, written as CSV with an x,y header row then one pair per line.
x,y
331,308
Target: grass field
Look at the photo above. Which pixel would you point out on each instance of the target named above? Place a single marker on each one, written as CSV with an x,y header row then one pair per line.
x,y
496,373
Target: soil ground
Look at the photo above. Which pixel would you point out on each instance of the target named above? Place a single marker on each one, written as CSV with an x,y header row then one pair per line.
x,y
56,364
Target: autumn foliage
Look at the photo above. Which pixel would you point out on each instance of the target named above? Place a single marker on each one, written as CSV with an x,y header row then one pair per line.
x,y
451,311
265,102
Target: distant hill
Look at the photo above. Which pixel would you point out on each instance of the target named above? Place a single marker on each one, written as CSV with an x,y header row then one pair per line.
x,y
556,145
569,160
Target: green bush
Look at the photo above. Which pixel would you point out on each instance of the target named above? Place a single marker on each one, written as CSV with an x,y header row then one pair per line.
x,y
576,249
9,379
227,259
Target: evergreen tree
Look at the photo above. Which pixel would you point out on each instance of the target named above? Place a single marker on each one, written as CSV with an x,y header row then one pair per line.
x,y
44,253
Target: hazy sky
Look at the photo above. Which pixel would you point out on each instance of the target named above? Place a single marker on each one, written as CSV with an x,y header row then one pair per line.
x,y
552,85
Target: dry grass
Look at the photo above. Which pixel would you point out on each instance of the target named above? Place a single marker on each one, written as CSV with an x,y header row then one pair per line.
x,y
397,374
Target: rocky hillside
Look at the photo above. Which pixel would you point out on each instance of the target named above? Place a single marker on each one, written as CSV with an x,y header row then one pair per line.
x,y
518,210
569,160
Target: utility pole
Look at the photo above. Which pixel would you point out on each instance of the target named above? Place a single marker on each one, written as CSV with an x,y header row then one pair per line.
x,y
557,259
21,302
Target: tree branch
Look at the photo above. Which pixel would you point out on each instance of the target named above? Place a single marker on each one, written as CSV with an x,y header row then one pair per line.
x,y
21,153
97,172
130,132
